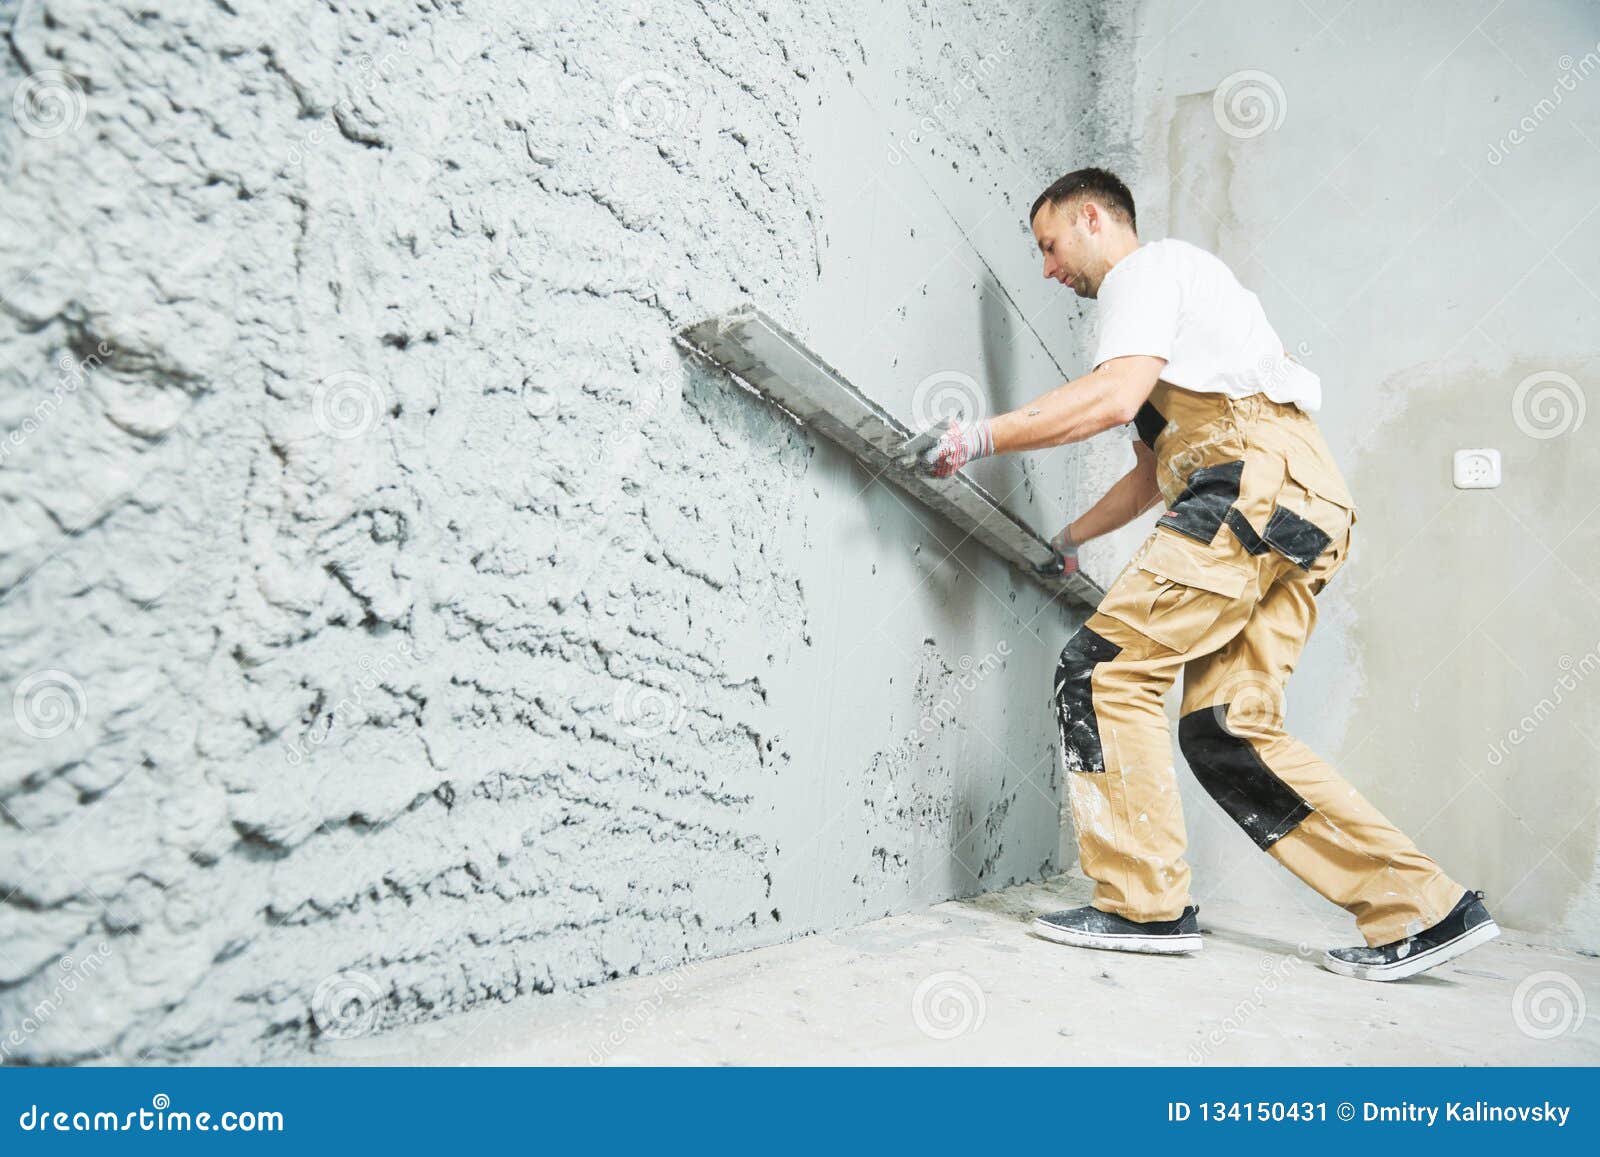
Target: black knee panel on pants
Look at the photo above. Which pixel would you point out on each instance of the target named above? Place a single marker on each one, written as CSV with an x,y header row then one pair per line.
x,y
1234,774
1074,695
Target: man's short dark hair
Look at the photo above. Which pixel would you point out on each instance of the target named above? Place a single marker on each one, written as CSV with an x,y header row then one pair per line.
x,y
1097,184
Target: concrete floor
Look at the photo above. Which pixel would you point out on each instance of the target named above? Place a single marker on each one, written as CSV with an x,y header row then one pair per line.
x,y
964,983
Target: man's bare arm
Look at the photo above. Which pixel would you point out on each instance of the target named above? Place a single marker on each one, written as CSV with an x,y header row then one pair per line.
x,y
1102,400
1130,496
1108,397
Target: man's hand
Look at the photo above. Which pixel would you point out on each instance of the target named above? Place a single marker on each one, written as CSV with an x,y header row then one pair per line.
x,y
939,453
1063,545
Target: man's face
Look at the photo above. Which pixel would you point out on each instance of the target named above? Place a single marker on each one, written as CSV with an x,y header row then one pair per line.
x,y
1069,238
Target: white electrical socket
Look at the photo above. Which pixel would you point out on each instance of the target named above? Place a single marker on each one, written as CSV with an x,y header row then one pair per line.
x,y
1476,469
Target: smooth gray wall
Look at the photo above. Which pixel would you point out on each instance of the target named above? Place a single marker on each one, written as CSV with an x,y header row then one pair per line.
x,y
1411,190
395,619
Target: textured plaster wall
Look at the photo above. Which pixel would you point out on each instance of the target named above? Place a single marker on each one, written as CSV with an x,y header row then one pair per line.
x,y
1410,190
395,620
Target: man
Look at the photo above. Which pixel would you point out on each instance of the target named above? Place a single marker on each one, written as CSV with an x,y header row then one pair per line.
x,y
1258,520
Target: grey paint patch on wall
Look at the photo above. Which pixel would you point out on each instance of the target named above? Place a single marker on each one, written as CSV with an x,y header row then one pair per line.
x,y
396,622
1481,702
1201,173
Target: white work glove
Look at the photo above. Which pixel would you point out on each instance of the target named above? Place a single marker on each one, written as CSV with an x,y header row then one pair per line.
x,y
1063,545
940,452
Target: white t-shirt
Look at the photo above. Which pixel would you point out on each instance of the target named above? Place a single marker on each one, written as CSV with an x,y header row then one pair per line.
x,y
1169,299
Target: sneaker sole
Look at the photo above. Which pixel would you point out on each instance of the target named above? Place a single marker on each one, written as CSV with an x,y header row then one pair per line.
x,y
1421,962
1130,942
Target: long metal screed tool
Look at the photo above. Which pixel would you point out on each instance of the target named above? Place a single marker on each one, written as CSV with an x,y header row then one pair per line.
x,y
773,363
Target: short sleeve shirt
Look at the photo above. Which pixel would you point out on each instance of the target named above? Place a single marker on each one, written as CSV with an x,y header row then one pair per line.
x,y
1172,300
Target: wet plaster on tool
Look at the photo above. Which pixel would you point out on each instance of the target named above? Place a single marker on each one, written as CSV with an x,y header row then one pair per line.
x,y
759,352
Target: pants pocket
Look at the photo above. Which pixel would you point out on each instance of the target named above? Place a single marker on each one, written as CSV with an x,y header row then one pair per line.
x,y
1332,562
1309,528
1174,592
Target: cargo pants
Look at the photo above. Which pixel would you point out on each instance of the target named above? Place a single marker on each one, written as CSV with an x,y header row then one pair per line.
x,y
1258,520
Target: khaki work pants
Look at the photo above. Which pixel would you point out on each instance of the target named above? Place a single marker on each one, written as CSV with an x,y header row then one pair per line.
x,y
1258,520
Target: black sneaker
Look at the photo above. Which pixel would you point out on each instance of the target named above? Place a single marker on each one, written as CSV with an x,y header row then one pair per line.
x,y
1467,926
1092,928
